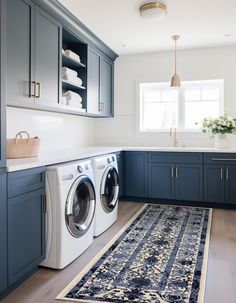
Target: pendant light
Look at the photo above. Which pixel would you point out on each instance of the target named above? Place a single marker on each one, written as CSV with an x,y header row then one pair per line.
x,y
175,80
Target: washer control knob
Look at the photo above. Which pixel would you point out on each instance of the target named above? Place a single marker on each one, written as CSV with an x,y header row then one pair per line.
x,y
80,169
113,158
108,160
86,166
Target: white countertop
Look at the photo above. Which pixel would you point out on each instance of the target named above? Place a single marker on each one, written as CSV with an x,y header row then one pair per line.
x,y
88,152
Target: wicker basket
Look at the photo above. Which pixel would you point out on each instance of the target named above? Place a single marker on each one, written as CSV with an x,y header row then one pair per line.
x,y
22,148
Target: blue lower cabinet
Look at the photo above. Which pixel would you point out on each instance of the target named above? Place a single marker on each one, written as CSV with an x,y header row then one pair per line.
x,y
230,184
160,181
188,182
135,174
214,183
26,234
3,234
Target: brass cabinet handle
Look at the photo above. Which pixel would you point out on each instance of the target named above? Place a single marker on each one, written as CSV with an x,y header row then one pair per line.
x,y
32,94
176,172
101,107
221,173
172,171
37,89
227,174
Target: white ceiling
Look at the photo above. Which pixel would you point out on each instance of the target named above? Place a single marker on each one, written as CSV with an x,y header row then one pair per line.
x,y
201,23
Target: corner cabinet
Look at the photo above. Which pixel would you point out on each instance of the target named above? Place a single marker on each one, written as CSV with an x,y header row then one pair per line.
x,y
26,223
100,84
33,60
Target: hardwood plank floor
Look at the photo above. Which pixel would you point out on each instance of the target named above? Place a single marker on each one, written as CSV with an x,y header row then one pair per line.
x,y
46,284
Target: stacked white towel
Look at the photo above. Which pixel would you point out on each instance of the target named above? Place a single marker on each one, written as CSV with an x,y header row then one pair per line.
x,y
71,75
72,55
73,99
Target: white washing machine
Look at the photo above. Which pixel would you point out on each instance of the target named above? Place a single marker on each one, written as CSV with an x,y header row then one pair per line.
x,y
107,191
70,214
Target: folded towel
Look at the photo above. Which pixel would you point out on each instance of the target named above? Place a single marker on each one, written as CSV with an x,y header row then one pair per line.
x,y
72,55
68,71
74,103
70,95
73,80
63,51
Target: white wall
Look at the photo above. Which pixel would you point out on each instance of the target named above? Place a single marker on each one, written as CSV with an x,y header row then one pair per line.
x,y
56,131
196,64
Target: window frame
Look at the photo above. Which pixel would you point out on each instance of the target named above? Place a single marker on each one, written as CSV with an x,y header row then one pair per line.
x,y
181,119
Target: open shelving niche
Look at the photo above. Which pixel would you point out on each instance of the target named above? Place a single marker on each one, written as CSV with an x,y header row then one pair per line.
x,y
73,43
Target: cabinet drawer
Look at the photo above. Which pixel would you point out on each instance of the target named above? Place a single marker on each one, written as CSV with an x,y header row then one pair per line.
x,y
220,158
170,157
24,181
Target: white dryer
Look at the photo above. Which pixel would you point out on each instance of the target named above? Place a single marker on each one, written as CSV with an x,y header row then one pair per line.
x,y
107,191
71,204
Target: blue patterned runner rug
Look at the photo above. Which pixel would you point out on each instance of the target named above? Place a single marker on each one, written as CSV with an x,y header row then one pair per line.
x,y
160,256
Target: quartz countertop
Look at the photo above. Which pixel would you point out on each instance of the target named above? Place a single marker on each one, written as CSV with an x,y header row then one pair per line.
x,y
62,156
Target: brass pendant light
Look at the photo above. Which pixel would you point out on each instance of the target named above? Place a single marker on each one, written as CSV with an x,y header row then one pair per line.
x,y
175,80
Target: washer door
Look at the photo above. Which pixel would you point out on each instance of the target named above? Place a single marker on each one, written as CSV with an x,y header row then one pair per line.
x,y
109,189
80,206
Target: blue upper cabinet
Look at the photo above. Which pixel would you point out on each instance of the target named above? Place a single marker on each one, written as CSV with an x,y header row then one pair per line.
x,y
135,174
100,84
47,87
33,67
106,87
40,30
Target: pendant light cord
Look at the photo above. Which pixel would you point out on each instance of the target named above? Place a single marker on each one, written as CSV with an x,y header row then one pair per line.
x,y
175,56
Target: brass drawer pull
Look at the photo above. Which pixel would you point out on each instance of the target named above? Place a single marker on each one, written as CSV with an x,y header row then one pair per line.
x,y
221,173
227,174
176,172
172,172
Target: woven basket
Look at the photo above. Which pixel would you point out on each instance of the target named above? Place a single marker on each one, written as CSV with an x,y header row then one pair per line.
x,y
22,148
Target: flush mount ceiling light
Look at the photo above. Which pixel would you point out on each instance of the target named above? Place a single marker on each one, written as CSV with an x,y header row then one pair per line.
x,y
175,80
153,10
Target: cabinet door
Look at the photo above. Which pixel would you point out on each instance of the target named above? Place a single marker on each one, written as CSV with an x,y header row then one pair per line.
x,y
214,183
26,232
106,88
20,50
93,82
160,180
189,182
230,184
47,59
136,174
3,234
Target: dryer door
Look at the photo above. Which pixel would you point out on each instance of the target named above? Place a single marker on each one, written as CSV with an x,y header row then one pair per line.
x,y
80,206
109,189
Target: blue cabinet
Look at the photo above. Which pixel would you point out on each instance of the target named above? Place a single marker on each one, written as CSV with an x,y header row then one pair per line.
x,y
189,182
160,181
100,84
176,176
3,234
33,68
214,183
135,174
26,223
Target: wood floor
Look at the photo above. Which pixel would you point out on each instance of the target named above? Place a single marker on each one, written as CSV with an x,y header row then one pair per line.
x,y
45,284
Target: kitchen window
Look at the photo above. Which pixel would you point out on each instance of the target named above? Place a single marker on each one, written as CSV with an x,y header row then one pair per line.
x,y
163,107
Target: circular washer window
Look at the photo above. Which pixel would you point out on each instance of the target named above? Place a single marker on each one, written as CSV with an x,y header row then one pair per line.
x,y
110,189
80,206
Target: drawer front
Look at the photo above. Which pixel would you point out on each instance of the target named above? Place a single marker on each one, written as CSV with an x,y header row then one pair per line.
x,y
220,158
25,181
170,157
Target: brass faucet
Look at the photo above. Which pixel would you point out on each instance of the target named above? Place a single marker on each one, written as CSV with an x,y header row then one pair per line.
x,y
173,131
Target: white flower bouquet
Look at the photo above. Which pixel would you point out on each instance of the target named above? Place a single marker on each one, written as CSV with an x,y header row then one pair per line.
x,y
222,125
